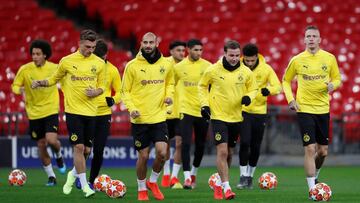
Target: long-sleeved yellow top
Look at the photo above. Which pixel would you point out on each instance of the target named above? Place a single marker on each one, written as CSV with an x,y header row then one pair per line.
x,y
40,102
145,87
265,77
112,83
227,90
79,73
187,75
174,108
313,72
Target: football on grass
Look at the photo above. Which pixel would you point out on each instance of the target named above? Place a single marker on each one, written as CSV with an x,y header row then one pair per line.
x,y
268,181
17,177
320,192
116,189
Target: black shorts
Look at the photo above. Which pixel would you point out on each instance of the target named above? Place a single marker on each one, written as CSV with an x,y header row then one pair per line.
x,y
39,127
173,127
81,129
314,128
225,132
144,134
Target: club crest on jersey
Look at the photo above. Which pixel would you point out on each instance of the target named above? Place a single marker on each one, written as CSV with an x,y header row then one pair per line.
x,y
324,67
306,137
162,69
93,69
240,78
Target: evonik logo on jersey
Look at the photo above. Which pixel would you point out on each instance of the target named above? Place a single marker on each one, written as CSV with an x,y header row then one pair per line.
x,y
151,82
83,78
314,77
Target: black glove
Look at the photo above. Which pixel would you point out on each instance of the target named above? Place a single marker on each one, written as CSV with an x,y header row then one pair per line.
x,y
265,92
205,112
246,100
110,101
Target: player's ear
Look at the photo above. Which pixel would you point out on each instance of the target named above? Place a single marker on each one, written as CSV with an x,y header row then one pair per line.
x,y
158,40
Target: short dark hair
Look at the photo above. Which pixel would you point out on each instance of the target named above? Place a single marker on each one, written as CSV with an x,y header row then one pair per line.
x,y
43,45
250,50
192,42
231,44
311,27
176,43
88,35
101,48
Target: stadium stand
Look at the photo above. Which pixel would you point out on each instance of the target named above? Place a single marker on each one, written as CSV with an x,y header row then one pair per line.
x,y
276,26
22,21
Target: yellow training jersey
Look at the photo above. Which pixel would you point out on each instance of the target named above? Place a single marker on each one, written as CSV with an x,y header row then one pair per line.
x,y
40,102
174,108
112,83
187,75
265,77
313,71
78,74
227,90
145,87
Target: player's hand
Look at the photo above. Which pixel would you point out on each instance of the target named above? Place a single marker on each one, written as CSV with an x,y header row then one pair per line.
x,y
35,84
168,101
91,92
246,100
205,112
134,114
39,83
265,91
330,87
293,105
22,90
110,101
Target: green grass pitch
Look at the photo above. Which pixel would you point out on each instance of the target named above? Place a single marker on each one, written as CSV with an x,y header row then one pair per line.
x,y
292,187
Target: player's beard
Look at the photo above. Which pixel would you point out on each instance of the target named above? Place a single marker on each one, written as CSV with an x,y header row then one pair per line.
x,y
151,57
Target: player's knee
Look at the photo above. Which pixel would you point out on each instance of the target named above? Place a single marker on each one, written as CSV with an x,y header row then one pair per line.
x,y
161,154
79,148
178,144
223,153
41,143
310,150
143,156
52,142
323,152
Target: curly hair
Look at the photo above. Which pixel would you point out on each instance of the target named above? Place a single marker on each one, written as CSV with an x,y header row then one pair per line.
x,y
43,45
